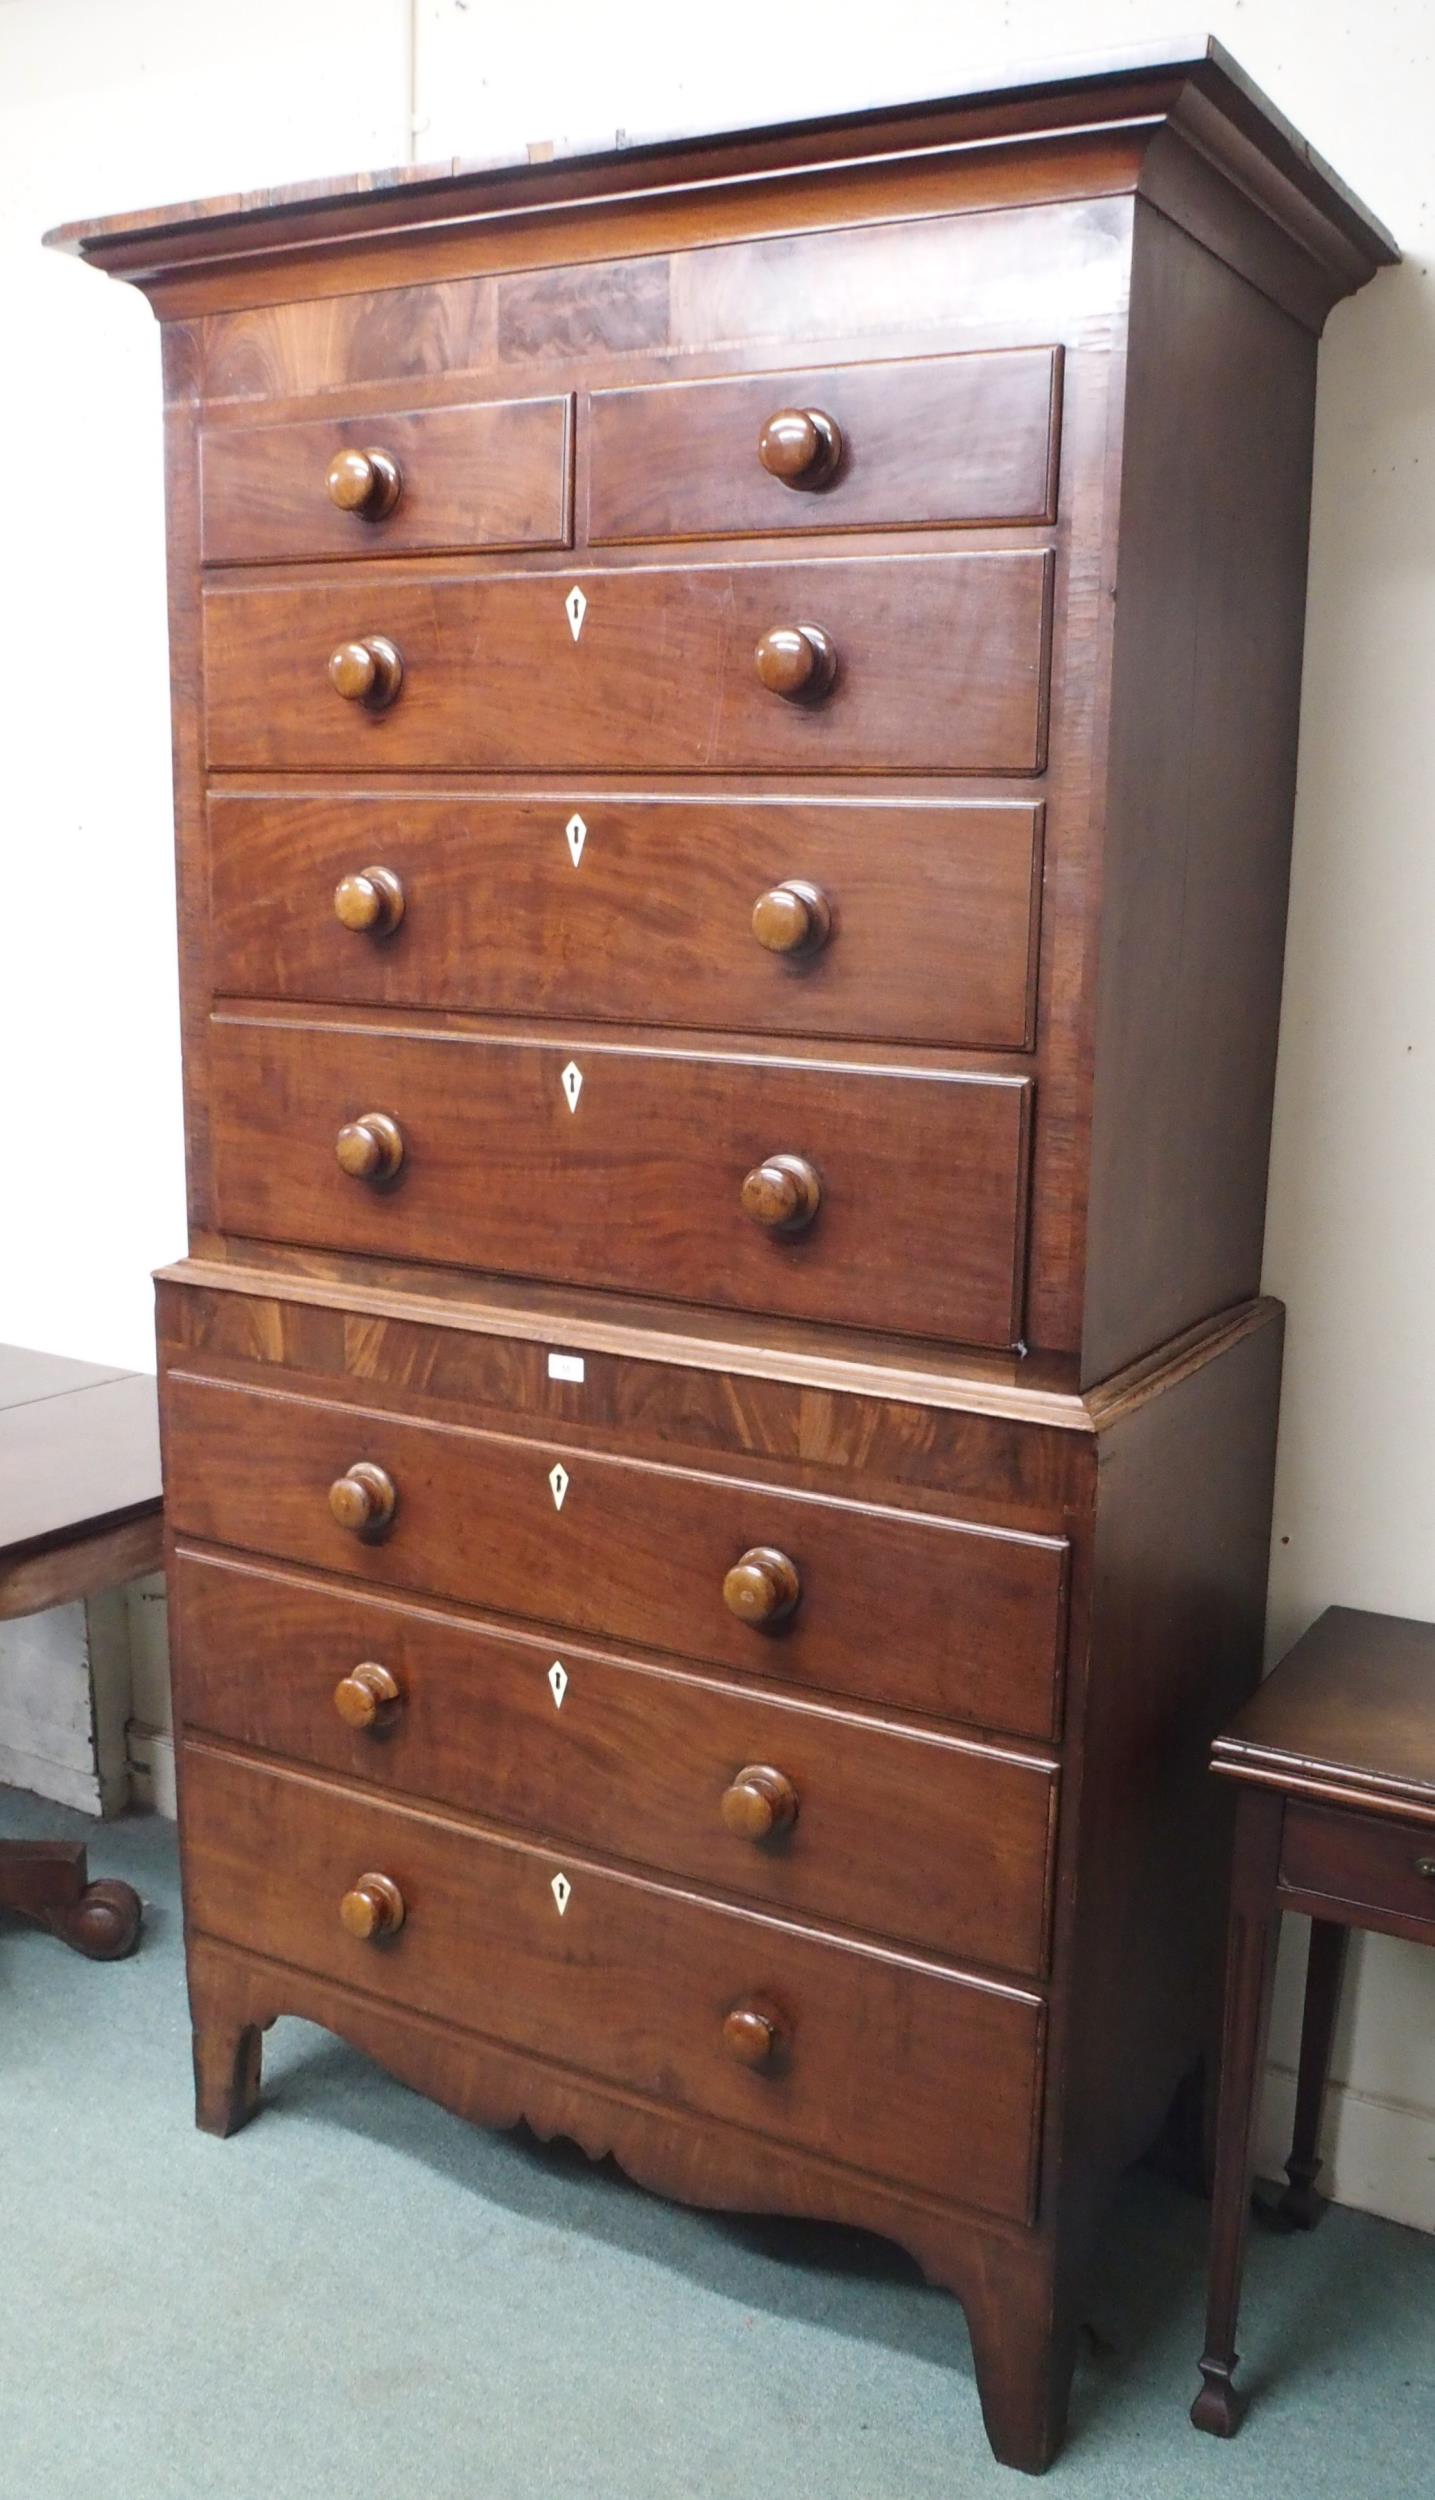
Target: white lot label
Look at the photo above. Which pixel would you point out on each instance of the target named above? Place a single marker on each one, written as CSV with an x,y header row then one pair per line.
x,y
565,1367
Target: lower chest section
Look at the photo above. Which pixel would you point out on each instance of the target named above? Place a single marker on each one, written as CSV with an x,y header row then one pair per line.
x,y
643,1744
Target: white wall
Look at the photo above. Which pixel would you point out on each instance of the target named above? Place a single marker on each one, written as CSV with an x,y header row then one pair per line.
x,y
119,105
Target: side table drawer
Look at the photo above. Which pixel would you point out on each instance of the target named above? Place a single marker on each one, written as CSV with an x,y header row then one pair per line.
x,y
1359,1859
884,2064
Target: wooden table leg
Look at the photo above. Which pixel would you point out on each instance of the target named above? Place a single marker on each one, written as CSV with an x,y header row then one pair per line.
x,y
1300,2207
1250,1968
47,1881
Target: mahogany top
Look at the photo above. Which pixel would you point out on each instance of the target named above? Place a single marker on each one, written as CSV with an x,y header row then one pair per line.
x,y
1192,84
79,1450
1351,1707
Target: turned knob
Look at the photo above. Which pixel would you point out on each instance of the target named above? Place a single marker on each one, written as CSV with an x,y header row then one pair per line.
x,y
364,482
760,1802
783,1194
371,899
749,2035
368,1696
369,672
370,1148
374,1908
793,918
364,1498
762,1587
798,662
800,446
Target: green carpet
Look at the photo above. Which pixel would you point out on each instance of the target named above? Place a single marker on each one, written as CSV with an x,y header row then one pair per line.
x,y
361,2297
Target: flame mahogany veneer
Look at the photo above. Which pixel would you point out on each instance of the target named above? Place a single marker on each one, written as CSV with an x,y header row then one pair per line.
x,y
735,713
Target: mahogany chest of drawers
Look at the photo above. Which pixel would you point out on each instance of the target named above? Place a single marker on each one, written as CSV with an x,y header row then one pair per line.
x,y
735,718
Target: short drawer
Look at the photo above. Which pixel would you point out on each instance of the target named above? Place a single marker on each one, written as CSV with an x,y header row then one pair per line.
x,y
941,440
884,2064
938,662
1360,1861
901,1607
899,1197
929,1838
892,921
411,480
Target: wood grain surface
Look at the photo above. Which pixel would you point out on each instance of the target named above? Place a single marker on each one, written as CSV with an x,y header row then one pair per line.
x,y
901,1607
885,2065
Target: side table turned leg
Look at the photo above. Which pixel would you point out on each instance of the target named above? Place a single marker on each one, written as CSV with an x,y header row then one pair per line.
x,y
1250,1969
47,1881
1300,2208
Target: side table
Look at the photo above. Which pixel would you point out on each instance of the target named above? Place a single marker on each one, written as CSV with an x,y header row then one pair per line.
x,y
1336,1818
80,1511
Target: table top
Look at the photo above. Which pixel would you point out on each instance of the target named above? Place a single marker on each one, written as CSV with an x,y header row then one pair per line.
x,y
79,1450
1349,1714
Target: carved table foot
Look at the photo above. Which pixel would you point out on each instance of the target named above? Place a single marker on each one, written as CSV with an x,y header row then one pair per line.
x,y
1220,2406
47,1882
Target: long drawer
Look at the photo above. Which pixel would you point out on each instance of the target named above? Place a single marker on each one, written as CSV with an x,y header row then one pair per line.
x,y
609,1164
861,2056
940,665
654,911
929,1838
939,439
490,473
925,1613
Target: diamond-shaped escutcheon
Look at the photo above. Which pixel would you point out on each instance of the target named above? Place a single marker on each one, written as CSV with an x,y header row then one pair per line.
x,y
558,1682
575,608
558,1483
575,834
560,1889
571,1081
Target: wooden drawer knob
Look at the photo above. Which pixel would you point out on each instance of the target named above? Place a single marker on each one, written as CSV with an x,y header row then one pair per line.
x,y
364,1498
368,672
800,446
798,662
750,2035
370,1148
759,1803
368,1696
793,918
374,1908
371,900
368,483
763,1586
783,1194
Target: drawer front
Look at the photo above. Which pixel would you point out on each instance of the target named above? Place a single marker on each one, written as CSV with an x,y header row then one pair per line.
x,y
946,439
887,2066
1359,1860
616,1166
940,665
938,1842
643,909
894,1606
488,475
